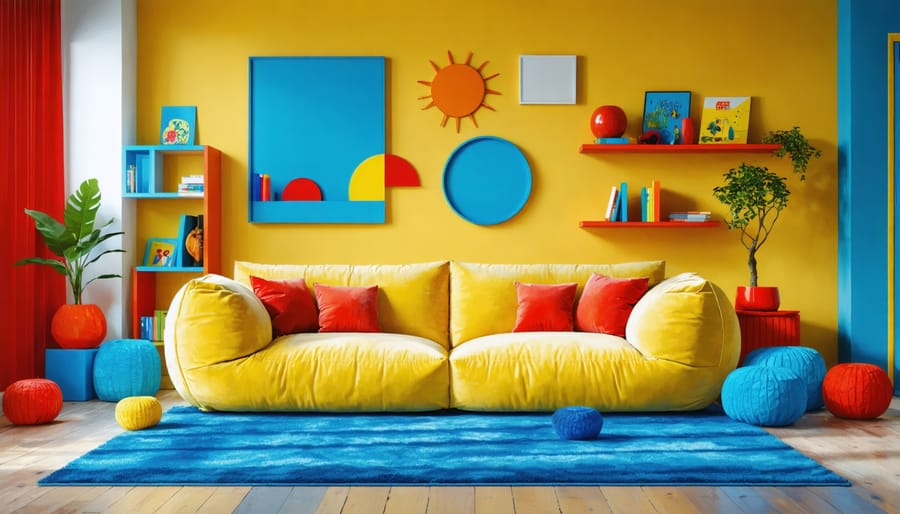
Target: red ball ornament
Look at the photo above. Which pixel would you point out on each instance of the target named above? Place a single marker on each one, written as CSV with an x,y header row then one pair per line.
x,y
857,391
608,121
32,401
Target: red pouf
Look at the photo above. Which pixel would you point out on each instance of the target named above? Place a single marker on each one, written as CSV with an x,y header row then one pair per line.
x,y
857,391
32,401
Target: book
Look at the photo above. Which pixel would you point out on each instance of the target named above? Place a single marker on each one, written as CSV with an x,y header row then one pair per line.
x,y
690,216
656,200
644,204
623,201
256,187
192,179
265,188
612,141
725,120
611,205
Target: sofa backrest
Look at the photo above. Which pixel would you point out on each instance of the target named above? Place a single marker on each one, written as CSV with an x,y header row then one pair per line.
x,y
483,296
412,298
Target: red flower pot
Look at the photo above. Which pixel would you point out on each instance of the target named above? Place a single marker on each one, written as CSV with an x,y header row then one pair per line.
x,y
757,298
78,326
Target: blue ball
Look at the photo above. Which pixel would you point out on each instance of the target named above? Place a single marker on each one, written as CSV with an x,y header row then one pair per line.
x,y
764,396
578,423
807,363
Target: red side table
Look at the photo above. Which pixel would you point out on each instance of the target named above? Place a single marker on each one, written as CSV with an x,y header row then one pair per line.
x,y
760,329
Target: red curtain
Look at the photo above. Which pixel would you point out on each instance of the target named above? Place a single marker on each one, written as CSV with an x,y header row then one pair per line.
x,y
31,176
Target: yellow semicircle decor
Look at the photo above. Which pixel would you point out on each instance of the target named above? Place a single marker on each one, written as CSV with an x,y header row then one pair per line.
x,y
367,182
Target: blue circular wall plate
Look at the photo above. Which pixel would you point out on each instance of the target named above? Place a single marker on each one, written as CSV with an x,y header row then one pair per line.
x,y
487,180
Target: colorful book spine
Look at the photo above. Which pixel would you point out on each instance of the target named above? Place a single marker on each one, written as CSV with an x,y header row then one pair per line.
x,y
256,187
265,190
656,204
611,205
644,204
623,201
612,141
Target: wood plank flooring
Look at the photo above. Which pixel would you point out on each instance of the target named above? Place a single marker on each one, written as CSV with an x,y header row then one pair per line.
x,y
865,452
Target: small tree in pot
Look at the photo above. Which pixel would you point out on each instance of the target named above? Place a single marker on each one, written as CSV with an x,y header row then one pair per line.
x,y
755,198
75,325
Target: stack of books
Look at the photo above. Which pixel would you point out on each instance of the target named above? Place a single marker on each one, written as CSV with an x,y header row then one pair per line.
x,y
191,185
690,216
617,206
153,327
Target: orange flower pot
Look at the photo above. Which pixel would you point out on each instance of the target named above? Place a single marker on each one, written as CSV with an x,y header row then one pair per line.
x,y
78,326
757,298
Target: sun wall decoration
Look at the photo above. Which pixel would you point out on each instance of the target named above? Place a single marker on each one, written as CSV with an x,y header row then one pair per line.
x,y
458,90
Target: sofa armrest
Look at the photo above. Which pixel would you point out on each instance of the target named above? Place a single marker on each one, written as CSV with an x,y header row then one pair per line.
x,y
212,319
686,319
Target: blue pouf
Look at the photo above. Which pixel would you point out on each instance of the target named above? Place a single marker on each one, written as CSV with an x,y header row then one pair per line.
x,y
764,396
126,367
807,363
578,423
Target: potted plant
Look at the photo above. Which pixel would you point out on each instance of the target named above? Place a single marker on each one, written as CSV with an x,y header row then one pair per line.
x,y
75,325
755,198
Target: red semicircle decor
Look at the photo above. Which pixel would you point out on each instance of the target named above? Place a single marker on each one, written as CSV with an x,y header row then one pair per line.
x,y
302,190
398,172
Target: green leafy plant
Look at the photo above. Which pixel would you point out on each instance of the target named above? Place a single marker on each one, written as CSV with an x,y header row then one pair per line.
x,y
74,240
756,196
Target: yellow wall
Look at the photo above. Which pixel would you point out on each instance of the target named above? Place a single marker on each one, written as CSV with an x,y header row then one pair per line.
x,y
783,54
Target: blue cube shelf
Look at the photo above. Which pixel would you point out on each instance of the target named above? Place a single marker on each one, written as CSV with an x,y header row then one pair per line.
x,y
73,371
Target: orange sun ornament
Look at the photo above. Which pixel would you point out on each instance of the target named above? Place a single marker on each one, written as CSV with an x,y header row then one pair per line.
x,y
458,90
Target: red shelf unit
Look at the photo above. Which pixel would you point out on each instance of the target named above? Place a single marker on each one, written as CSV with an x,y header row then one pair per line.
x,y
711,148
649,224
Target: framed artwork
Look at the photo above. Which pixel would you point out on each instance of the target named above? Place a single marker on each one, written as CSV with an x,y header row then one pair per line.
x,y
179,125
161,252
547,79
725,120
663,111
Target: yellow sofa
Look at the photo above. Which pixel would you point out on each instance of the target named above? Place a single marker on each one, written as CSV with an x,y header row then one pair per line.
x,y
447,342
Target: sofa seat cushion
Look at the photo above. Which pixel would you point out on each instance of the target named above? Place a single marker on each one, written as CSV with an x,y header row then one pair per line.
x,y
333,371
544,371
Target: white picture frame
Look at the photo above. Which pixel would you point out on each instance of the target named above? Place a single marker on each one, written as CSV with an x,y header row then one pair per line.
x,y
547,79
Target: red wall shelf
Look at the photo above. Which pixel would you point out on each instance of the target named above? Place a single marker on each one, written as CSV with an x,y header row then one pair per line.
x,y
711,148
649,224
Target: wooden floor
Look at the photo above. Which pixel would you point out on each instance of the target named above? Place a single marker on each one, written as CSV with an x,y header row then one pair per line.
x,y
867,453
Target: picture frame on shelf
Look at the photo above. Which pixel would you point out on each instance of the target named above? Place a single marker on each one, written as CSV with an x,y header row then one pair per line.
x,y
725,120
663,112
190,241
161,252
178,125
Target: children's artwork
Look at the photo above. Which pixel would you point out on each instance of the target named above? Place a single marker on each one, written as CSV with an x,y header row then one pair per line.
x,y
161,252
190,241
179,125
663,111
725,120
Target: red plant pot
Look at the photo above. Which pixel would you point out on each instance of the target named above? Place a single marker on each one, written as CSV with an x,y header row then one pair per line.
x,y
757,298
78,326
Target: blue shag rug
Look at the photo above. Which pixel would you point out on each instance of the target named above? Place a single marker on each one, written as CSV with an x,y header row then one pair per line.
x,y
190,447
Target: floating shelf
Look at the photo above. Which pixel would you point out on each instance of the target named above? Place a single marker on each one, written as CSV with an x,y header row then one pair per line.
x,y
710,148
649,224
170,269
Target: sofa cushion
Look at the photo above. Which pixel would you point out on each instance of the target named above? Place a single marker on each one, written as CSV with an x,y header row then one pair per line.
x,y
289,303
606,303
347,308
484,302
685,319
412,298
212,319
332,371
544,371
544,307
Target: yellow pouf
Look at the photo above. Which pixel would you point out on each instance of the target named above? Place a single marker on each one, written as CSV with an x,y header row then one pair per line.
x,y
138,412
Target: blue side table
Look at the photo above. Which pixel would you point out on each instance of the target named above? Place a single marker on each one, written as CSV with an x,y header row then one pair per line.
x,y
73,371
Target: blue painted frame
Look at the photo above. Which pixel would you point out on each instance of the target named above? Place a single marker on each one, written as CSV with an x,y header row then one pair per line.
x,y
318,118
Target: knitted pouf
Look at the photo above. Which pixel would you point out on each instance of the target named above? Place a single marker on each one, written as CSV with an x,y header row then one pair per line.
x,y
764,396
807,363
857,391
126,367
32,401
579,423
138,412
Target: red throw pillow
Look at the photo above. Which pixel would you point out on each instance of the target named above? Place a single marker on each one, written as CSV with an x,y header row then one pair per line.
x,y
544,307
606,303
289,303
347,309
